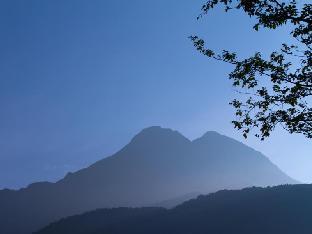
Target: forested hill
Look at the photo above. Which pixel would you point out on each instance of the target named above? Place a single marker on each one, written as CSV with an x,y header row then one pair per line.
x,y
277,210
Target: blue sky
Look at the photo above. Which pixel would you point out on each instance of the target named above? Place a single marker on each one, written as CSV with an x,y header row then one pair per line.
x,y
79,78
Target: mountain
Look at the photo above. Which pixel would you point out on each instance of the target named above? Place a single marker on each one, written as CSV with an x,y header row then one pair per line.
x,y
157,165
170,203
276,210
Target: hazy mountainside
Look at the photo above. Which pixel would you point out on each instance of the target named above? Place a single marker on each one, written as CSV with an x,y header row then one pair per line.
x,y
277,210
170,203
157,165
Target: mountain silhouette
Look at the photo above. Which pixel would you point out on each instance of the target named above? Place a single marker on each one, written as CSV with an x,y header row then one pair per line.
x,y
277,210
157,165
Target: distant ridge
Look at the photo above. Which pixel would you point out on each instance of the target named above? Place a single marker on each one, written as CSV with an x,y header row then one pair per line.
x,y
158,164
276,210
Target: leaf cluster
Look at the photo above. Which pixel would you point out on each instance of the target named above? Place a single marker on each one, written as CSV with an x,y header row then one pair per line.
x,y
278,88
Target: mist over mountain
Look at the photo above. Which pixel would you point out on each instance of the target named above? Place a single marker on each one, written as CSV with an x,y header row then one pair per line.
x,y
277,210
157,165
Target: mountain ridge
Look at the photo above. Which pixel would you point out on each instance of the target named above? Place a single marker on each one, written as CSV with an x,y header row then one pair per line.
x,y
282,209
158,164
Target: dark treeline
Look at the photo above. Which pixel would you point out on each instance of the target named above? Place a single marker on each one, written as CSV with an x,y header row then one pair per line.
x,y
273,210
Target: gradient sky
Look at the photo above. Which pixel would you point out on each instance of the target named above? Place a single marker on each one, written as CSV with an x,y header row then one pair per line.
x,y
79,78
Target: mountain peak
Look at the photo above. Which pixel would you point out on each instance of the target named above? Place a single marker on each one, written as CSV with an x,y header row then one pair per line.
x,y
211,134
158,133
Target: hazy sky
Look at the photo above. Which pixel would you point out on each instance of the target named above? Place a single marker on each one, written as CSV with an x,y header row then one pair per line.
x,y
79,78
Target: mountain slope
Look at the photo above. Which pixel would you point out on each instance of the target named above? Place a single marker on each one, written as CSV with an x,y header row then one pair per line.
x,y
158,164
276,210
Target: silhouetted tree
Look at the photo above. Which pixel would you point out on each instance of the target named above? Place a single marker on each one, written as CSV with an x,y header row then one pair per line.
x,y
285,100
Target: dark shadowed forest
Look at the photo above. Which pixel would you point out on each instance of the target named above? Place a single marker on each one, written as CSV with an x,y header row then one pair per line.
x,y
282,209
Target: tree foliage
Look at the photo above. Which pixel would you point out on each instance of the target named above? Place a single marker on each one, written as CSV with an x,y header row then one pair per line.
x,y
278,87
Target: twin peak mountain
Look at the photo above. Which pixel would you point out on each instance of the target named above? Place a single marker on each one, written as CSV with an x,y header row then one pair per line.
x,y
157,165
